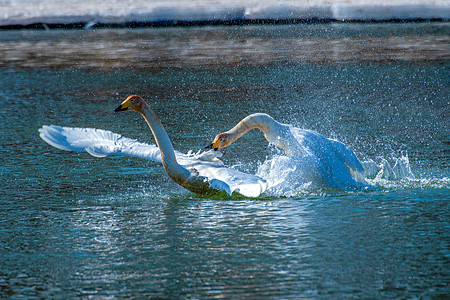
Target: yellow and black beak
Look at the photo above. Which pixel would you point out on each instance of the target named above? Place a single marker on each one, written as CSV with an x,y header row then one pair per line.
x,y
214,145
124,106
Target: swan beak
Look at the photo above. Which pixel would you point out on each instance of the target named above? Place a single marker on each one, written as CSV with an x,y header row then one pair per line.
x,y
124,106
214,145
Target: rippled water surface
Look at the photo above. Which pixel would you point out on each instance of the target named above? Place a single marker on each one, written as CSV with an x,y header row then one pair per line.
x,y
75,226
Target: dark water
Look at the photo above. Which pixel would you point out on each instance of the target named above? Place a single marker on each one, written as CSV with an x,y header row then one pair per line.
x,y
75,226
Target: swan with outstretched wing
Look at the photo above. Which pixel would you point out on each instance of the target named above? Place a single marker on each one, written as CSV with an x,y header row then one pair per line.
x,y
199,173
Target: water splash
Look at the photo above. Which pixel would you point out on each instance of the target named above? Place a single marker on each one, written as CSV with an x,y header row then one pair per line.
x,y
395,172
299,176
382,171
294,176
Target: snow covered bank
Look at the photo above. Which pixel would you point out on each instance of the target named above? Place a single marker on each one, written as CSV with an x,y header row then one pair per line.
x,y
120,12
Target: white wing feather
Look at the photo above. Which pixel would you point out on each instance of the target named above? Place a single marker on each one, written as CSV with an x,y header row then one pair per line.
x,y
97,142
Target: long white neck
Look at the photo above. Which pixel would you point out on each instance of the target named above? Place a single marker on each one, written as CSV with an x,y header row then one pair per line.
x,y
274,132
178,173
254,121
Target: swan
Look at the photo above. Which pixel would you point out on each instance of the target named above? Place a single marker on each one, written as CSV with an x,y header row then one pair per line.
x,y
328,163
201,173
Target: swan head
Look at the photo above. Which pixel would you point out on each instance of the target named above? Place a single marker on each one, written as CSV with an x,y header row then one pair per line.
x,y
222,140
132,103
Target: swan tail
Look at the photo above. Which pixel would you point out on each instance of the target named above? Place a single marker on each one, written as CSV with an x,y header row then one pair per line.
x,y
97,142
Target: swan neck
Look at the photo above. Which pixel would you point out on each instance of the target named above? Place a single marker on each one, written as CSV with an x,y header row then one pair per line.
x,y
274,132
171,166
263,122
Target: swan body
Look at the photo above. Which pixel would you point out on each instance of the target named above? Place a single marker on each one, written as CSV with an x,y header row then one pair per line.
x,y
199,173
312,157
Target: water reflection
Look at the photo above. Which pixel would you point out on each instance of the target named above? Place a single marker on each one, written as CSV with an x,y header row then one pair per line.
x,y
223,46
207,246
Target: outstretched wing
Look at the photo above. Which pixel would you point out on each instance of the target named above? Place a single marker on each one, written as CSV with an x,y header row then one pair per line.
x,y
97,142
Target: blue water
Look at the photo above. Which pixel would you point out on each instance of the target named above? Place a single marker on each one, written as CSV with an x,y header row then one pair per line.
x,y
75,226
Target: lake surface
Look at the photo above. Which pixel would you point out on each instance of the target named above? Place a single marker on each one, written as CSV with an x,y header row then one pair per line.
x,y
75,226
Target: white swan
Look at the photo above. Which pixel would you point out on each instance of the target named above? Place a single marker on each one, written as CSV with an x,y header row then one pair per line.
x,y
326,162
201,174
